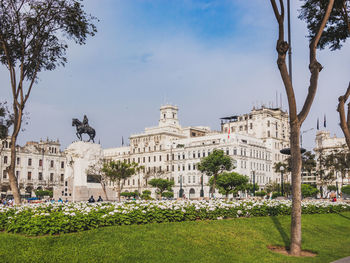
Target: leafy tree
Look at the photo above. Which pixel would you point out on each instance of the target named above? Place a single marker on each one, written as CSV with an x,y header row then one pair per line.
x,y
337,29
42,193
326,170
275,195
229,183
168,194
130,194
346,189
96,171
297,118
32,40
146,194
251,187
278,165
214,164
340,163
161,184
260,193
308,162
6,120
308,190
118,171
332,188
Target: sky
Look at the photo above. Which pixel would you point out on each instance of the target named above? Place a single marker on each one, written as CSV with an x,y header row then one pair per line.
x,y
211,58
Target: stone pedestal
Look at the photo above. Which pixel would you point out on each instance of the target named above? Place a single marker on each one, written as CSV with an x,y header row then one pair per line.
x,y
80,155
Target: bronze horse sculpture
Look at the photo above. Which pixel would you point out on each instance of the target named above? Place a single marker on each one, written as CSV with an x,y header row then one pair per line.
x,y
84,128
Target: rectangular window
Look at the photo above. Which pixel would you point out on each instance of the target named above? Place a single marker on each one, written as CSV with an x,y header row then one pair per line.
x,y
4,174
29,162
194,179
40,176
189,179
17,174
51,177
189,167
18,161
62,165
51,164
160,158
62,177
29,176
154,158
5,159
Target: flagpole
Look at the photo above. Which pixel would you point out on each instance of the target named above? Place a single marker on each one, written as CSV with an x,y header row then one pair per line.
x,y
289,42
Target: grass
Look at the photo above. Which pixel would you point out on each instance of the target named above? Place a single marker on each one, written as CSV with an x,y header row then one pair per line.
x,y
235,240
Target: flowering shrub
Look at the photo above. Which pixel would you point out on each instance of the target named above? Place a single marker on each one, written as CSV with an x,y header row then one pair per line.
x,y
40,219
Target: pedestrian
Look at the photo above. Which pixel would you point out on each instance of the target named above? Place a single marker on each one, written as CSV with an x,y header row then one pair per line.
x,y
91,199
99,199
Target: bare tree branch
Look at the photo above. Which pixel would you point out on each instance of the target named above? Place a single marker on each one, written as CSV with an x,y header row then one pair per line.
x,y
343,122
314,66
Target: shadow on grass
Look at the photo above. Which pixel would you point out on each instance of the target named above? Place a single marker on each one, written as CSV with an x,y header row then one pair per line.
x,y
348,218
281,231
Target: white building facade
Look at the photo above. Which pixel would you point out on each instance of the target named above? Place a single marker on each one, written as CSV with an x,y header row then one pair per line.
x,y
38,165
327,144
173,152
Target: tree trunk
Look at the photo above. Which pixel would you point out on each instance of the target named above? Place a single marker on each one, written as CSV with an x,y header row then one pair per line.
x,y
119,190
11,171
295,246
213,187
104,190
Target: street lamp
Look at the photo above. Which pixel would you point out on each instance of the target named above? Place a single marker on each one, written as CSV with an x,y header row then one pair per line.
x,y
181,192
202,190
282,169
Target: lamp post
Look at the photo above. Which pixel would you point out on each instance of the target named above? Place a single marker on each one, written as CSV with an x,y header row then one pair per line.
x,y
202,190
181,192
282,169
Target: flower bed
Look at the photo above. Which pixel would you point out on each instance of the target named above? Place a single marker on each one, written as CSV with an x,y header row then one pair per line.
x,y
40,219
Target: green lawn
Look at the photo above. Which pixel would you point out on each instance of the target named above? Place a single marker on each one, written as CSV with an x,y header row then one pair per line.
x,y
237,240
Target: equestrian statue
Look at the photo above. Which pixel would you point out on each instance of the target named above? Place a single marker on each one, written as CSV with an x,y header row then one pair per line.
x,y
84,127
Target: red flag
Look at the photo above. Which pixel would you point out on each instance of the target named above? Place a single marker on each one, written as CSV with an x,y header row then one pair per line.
x,y
228,135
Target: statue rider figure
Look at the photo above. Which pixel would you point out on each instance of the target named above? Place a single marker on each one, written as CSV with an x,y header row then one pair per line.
x,y
85,122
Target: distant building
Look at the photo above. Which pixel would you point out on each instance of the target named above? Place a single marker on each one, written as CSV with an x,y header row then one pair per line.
x,y
167,150
325,145
173,152
38,165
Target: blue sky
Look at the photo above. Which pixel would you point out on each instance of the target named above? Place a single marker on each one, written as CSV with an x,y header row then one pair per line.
x,y
211,58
